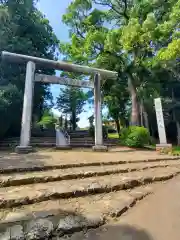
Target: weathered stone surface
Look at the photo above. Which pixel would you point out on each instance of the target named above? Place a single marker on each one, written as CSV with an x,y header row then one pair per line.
x,y
23,150
17,232
66,237
94,220
5,235
94,206
83,212
39,229
48,159
24,195
164,148
100,148
77,236
78,172
70,223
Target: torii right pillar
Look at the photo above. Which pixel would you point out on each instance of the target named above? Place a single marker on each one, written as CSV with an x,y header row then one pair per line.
x,y
99,147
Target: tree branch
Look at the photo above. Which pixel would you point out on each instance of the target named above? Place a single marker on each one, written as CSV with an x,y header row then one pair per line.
x,y
125,9
114,8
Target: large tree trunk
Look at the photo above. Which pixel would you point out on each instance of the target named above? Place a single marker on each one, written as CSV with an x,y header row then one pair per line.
x,y
146,120
177,127
135,105
178,132
117,125
74,120
175,119
141,115
144,116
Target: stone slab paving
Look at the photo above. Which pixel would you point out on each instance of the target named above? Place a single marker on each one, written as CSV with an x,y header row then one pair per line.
x,y
41,220
51,158
16,179
112,204
28,194
155,218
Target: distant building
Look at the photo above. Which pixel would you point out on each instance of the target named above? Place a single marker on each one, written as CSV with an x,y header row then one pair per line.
x,y
110,123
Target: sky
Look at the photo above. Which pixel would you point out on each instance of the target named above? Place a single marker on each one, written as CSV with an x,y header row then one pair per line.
x,y
53,12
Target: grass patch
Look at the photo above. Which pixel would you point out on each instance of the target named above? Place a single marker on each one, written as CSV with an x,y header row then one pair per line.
x,y
113,135
176,148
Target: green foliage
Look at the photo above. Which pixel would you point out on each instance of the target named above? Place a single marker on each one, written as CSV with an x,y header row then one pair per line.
x,y
138,39
48,121
71,101
24,30
10,101
124,134
135,136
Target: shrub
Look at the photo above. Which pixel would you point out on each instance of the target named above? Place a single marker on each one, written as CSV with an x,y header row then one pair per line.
x,y
92,132
135,136
124,134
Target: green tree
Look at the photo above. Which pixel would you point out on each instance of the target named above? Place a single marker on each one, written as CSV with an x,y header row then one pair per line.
x,y
25,30
10,101
71,101
66,123
131,37
61,121
48,120
91,121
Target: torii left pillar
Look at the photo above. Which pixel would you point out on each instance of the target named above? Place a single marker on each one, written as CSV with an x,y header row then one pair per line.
x,y
99,146
24,146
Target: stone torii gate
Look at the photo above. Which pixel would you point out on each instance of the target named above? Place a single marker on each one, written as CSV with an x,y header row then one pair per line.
x,y
31,78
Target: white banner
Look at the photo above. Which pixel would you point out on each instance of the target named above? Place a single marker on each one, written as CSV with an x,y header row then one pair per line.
x,y
160,121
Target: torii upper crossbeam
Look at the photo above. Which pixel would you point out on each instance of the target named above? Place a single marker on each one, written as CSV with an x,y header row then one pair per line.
x,y
57,65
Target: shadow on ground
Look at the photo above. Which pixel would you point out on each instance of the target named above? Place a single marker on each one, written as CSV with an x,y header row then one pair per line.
x,y
115,232
62,224
11,160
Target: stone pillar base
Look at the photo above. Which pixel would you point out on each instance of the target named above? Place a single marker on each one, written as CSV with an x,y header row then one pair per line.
x,y
100,148
164,148
23,150
66,147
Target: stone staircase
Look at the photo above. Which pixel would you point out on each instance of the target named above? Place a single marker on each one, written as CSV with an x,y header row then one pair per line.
x,y
77,139
54,195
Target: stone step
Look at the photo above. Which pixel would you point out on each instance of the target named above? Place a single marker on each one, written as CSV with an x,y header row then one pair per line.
x,y
53,140
24,163
56,218
28,194
13,163
16,179
50,143
6,147
46,139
